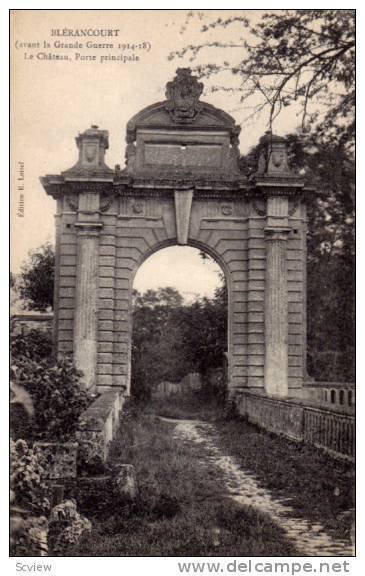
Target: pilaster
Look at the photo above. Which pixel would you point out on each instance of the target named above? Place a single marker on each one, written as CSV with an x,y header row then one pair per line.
x,y
276,312
87,274
276,183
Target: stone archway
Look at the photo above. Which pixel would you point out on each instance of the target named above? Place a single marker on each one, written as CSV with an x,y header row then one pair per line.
x,y
173,265
182,184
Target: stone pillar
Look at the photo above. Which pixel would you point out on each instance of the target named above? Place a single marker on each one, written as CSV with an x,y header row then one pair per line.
x,y
86,304
276,298
56,288
276,316
88,179
276,182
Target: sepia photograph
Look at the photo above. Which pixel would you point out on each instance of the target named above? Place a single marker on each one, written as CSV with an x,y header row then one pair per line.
x,y
182,287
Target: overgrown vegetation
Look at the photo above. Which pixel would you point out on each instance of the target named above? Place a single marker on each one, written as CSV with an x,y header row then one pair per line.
x,y
55,388
331,258
172,339
180,509
318,486
271,63
37,278
46,401
37,528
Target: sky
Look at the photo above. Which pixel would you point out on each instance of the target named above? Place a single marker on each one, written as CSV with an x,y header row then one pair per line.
x,y
181,267
52,101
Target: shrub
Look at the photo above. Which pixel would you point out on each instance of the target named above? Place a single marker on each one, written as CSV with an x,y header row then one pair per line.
x,y
55,387
57,394
27,479
66,526
35,345
30,502
30,537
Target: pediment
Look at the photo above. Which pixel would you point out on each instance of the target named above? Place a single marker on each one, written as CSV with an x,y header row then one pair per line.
x,y
157,116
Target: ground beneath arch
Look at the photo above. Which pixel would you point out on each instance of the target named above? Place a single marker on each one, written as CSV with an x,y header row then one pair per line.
x,y
310,539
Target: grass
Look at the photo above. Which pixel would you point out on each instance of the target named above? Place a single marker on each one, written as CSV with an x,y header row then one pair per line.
x,y
189,407
181,510
317,486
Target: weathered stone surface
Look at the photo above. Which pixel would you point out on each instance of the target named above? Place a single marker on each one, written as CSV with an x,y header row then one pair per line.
x,y
330,430
181,185
99,424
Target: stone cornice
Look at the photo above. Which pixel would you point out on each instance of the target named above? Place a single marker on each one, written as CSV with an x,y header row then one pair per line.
x,y
279,233
57,186
206,186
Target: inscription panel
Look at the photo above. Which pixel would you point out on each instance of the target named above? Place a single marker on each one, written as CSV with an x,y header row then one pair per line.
x,y
183,155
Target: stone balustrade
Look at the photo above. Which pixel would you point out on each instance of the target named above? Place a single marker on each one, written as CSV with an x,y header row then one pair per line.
x,y
330,430
321,427
339,396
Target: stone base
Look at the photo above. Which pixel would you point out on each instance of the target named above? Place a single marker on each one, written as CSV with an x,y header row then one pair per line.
x,y
99,424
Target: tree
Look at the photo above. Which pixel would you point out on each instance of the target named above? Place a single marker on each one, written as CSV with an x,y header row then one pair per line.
x,y
301,57
37,278
331,258
304,59
156,348
171,339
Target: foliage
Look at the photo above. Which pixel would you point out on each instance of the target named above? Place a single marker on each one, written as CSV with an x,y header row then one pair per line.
x,y
99,496
35,527
29,502
199,404
171,339
55,387
331,258
205,332
156,351
283,57
37,278
57,394
29,537
66,526
28,492
27,478
34,345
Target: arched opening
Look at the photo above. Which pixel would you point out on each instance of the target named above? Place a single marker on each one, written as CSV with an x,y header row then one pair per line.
x,y
333,396
179,336
341,396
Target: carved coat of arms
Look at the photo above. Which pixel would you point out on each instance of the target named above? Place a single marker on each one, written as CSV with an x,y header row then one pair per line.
x,y
183,96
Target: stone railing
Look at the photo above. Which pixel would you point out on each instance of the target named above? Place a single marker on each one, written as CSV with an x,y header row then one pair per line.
x,y
330,430
276,416
297,420
339,396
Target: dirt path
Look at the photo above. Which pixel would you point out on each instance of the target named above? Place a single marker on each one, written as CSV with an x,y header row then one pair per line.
x,y
242,486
